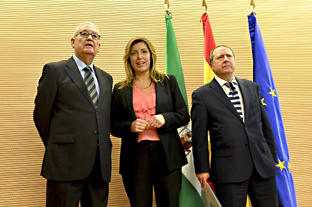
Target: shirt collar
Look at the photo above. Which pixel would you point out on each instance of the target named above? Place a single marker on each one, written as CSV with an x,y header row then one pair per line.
x,y
81,65
222,82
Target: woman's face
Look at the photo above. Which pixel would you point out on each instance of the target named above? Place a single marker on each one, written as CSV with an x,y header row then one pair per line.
x,y
140,58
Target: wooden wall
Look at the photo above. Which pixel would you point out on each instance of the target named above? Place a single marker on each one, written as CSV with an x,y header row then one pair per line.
x,y
34,32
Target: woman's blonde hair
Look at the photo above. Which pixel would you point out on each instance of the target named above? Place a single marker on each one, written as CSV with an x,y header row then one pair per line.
x,y
155,74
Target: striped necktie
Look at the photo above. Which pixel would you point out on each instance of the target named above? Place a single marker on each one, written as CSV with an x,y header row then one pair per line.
x,y
234,98
88,78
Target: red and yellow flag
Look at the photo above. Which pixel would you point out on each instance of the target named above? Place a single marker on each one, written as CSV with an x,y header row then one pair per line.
x,y
209,45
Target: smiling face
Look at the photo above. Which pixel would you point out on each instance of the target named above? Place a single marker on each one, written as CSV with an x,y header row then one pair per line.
x,y
86,47
140,58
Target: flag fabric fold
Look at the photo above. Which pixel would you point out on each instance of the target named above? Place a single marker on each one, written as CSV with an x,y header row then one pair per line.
x,y
189,195
209,45
173,61
262,75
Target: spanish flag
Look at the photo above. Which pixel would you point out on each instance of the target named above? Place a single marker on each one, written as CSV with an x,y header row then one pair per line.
x,y
209,45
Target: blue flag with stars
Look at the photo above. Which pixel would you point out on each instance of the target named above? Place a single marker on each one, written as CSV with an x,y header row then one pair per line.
x,y
262,75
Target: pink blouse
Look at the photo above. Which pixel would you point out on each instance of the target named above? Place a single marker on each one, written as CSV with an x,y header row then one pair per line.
x,y
144,106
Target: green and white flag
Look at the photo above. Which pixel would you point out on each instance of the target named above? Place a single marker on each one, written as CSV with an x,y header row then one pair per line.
x,y
191,189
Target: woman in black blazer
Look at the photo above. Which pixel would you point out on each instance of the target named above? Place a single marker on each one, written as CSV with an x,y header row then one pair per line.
x,y
147,109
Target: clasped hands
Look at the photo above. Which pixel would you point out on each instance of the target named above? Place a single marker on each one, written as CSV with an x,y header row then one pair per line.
x,y
140,125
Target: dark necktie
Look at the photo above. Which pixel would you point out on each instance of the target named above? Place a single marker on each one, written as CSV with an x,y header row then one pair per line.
x,y
88,78
234,98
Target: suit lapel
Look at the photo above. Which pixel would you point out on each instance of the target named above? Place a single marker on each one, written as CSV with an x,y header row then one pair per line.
x,y
245,91
127,91
103,85
159,89
219,93
74,73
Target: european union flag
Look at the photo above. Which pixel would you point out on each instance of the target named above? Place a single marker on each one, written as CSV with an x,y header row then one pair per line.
x,y
262,75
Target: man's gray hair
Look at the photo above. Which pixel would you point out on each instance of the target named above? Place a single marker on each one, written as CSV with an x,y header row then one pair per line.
x,y
84,24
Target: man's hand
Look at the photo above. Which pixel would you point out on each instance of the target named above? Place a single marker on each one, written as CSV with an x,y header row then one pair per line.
x,y
202,177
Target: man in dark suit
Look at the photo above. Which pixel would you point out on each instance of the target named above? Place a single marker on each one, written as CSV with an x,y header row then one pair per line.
x,y
75,127
243,153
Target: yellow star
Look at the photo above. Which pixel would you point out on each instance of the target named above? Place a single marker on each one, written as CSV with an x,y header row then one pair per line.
x,y
289,166
281,165
262,100
272,92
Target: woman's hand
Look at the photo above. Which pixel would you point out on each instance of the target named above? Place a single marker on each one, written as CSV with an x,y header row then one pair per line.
x,y
157,121
139,125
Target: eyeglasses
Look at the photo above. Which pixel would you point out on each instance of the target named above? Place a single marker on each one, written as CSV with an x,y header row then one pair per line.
x,y
87,34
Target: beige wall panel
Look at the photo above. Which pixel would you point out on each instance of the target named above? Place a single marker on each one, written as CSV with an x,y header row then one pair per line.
x,y
35,32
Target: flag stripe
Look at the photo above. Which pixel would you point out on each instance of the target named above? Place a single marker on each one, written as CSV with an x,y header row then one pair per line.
x,y
189,196
209,45
173,62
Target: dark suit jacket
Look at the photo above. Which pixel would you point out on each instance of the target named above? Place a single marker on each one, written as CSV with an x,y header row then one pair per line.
x,y
69,125
169,103
235,146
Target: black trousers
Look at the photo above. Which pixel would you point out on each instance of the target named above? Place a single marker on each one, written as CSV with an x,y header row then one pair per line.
x,y
262,192
91,192
151,171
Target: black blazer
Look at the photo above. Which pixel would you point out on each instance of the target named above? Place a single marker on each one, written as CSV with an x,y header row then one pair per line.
x,y
169,103
235,146
69,125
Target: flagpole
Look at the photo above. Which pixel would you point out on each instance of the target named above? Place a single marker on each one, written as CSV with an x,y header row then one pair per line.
x,y
167,6
204,6
252,6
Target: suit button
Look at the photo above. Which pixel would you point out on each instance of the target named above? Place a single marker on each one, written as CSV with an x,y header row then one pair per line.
x,y
247,145
95,132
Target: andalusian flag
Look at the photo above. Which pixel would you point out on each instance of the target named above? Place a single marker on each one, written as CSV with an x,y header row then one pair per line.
x,y
173,62
209,45
189,196
262,75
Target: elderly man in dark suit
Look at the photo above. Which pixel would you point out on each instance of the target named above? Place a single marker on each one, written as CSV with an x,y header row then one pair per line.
x,y
72,115
243,153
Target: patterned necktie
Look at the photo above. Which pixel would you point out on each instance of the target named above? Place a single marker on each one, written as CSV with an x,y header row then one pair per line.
x,y
234,98
88,78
